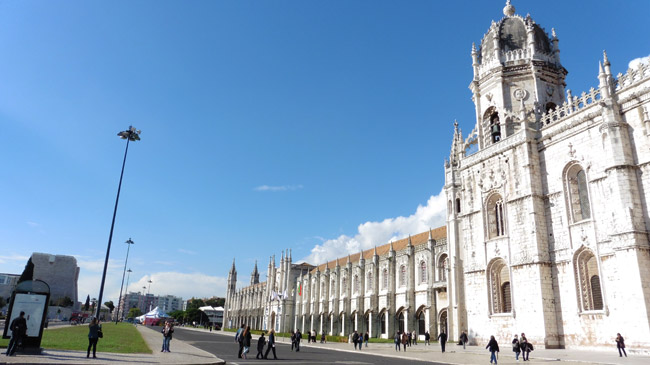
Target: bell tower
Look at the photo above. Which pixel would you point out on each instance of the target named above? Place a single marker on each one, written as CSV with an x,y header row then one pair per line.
x,y
230,293
255,275
517,77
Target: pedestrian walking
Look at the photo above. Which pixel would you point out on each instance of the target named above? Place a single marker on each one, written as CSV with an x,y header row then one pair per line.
x,y
493,346
271,345
620,345
246,341
313,339
427,338
260,346
366,337
298,338
398,340
526,347
323,338
167,336
18,329
464,339
409,340
293,339
405,340
442,337
94,330
240,340
516,348
355,339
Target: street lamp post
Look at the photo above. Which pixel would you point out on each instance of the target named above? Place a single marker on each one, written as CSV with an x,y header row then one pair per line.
x,y
128,276
149,292
130,134
128,243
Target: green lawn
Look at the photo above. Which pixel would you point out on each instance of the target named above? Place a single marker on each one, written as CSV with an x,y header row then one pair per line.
x,y
121,338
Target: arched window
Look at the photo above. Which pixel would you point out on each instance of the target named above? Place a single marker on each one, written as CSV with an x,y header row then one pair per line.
x,y
491,119
356,283
423,272
499,287
344,286
442,267
457,205
369,281
495,217
578,193
333,288
384,279
587,280
402,276
322,290
383,322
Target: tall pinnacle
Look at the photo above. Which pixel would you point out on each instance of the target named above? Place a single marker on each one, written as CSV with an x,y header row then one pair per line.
x,y
508,10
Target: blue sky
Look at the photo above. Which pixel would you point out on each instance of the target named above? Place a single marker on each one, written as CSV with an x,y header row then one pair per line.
x,y
320,126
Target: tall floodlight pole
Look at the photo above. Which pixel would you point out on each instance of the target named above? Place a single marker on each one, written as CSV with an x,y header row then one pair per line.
x,y
131,135
128,276
128,246
149,292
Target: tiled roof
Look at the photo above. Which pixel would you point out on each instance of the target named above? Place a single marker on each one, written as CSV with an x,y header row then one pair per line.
x,y
416,240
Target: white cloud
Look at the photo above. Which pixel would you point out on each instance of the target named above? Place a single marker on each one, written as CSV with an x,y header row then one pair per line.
x,y
184,285
635,63
189,252
19,258
33,224
369,234
278,188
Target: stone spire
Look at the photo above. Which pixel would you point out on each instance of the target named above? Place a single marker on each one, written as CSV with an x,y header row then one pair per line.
x,y
255,275
456,145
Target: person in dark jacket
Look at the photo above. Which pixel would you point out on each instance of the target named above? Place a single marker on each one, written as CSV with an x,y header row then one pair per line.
x,y
239,339
93,336
366,337
620,345
271,345
405,340
298,338
516,348
260,346
398,340
247,337
525,346
427,338
167,336
464,339
18,329
493,346
442,337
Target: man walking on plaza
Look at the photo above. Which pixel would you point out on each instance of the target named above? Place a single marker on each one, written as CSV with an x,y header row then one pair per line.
x,y
443,340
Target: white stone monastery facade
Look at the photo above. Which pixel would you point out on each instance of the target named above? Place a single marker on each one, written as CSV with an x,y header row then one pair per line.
x,y
547,224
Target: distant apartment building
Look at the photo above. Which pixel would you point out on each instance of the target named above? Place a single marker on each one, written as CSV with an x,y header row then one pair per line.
x,y
146,302
169,303
7,284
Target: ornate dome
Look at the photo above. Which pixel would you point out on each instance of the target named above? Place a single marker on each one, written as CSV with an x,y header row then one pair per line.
x,y
511,32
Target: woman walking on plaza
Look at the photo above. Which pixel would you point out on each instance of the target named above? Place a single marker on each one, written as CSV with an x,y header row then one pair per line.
x,y
93,336
516,348
405,340
247,341
620,344
493,346
398,340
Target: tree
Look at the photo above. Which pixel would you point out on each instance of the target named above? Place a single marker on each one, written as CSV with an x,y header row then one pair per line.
x,y
192,314
28,273
215,302
87,305
110,306
134,312
177,315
